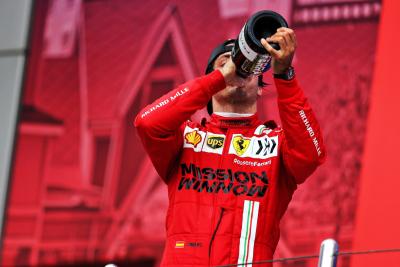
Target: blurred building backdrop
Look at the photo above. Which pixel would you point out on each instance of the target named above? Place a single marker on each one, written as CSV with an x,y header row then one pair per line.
x,y
82,189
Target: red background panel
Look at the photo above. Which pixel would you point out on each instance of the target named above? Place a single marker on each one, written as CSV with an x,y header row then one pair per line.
x,y
378,217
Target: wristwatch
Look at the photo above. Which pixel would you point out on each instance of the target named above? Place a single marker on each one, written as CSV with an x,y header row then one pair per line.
x,y
287,76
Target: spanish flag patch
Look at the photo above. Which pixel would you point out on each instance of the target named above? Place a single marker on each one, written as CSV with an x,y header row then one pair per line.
x,y
179,244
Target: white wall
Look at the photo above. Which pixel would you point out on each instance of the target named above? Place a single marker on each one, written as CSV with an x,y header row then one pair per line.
x,y
14,28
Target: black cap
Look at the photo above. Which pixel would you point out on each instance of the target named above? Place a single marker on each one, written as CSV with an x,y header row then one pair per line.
x,y
226,46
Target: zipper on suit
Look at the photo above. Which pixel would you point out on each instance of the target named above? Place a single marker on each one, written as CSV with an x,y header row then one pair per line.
x,y
227,144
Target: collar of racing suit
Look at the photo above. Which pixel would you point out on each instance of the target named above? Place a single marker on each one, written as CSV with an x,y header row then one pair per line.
x,y
227,121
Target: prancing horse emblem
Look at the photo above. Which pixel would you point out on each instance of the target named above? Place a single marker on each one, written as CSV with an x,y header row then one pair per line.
x,y
240,144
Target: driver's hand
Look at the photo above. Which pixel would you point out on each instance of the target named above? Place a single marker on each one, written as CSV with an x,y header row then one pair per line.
x,y
281,59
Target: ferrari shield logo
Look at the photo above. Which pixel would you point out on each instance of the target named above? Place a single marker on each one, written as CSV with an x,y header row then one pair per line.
x,y
240,144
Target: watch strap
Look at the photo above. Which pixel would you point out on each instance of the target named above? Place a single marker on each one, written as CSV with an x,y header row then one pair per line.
x,y
287,75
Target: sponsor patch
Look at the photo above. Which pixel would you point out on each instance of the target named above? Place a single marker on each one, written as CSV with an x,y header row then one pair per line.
x,y
255,147
251,162
214,143
193,138
310,131
240,144
165,101
265,147
194,244
223,181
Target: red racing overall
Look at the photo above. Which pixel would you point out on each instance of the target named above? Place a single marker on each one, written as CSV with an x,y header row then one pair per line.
x,y
229,180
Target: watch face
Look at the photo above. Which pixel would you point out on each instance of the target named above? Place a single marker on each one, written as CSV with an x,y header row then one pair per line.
x,y
290,73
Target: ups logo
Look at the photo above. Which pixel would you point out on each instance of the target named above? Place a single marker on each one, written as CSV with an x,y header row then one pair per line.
x,y
215,141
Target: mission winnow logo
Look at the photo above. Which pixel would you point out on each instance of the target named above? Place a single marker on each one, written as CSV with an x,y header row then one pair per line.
x,y
226,181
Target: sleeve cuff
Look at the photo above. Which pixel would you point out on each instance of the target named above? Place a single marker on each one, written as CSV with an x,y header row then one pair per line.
x,y
213,82
286,89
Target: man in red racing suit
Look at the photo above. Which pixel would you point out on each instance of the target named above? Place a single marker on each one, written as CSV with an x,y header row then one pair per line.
x,y
230,179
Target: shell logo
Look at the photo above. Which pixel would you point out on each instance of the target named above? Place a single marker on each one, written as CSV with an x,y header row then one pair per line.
x,y
193,138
